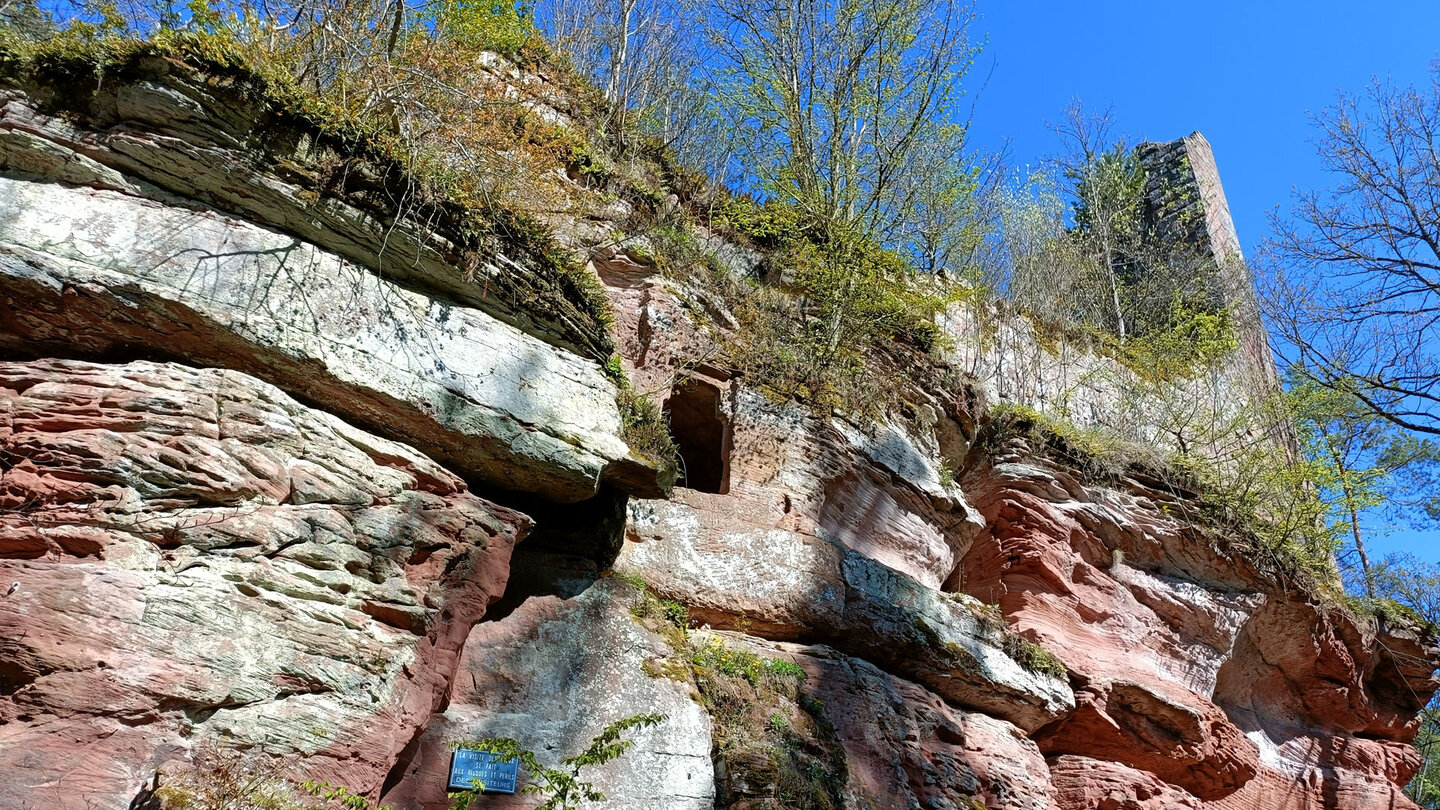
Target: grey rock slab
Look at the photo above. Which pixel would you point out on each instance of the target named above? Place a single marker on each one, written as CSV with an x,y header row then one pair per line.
x,y
786,584
98,270
554,674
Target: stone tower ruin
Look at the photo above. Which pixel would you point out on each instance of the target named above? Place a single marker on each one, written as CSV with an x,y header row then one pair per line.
x,y
1185,204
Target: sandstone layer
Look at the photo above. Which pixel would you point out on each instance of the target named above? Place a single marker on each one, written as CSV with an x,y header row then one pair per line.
x,y
199,560
267,443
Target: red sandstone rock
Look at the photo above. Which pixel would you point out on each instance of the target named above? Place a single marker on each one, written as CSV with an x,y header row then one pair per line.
x,y
906,747
200,559
1200,682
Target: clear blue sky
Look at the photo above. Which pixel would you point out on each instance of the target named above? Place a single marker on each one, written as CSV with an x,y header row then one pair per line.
x,y
1247,74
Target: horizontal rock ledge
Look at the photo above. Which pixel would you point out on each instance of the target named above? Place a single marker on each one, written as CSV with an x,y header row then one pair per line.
x,y
104,273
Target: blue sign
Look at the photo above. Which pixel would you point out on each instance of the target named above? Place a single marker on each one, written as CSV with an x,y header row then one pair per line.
x,y
466,766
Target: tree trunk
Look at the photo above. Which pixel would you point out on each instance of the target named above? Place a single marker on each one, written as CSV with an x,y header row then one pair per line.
x,y
1360,548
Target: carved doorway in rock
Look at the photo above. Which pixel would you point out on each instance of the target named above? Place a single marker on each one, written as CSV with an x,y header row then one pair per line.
x,y
702,434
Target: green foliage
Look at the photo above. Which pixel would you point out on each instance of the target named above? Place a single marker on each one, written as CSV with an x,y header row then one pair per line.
x,y
1389,611
1025,652
1109,193
1034,657
714,655
1097,453
632,579
774,739
1185,343
771,225
342,796
561,787
668,611
1269,502
502,27
644,429
1425,787
850,301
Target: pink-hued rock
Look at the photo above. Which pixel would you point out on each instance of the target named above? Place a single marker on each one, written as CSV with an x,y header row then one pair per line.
x,y
1097,784
1166,731
199,559
873,487
1157,621
1199,681
906,747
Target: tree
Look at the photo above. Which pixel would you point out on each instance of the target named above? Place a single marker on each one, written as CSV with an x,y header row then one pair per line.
x,y
1078,244
943,231
829,104
645,54
1365,462
1355,287
561,787
1109,188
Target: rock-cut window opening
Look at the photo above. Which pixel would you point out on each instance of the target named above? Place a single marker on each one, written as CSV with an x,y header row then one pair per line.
x,y
702,435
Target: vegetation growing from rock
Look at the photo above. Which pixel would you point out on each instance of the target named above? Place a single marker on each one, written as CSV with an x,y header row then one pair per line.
x,y
847,300
1263,499
560,786
839,312
774,741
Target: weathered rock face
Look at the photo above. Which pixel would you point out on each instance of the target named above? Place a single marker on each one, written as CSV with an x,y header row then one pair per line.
x,y
907,747
238,518
1199,682
310,294
201,560
553,675
787,584
1156,621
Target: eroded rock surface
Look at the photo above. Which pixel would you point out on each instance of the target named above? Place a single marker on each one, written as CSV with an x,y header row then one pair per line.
x,y
553,675
1199,681
277,551
1159,623
907,747
200,560
109,244
799,586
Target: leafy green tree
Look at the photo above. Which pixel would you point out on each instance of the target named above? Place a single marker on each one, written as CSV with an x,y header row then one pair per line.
x,y
1108,184
1365,463
501,26
26,18
829,104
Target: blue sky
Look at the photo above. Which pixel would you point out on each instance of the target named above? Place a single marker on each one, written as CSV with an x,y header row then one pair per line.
x,y
1246,74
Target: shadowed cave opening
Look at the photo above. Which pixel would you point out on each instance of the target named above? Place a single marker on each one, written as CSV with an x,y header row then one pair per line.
x,y
702,435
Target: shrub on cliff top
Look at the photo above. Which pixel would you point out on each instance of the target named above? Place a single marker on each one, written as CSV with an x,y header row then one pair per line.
x,y
399,93
838,298
1265,501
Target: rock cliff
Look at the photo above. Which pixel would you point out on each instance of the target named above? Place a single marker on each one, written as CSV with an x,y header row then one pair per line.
x,y
287,475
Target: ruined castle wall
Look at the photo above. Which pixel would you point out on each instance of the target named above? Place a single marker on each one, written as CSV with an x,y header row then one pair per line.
x,y
1071,375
